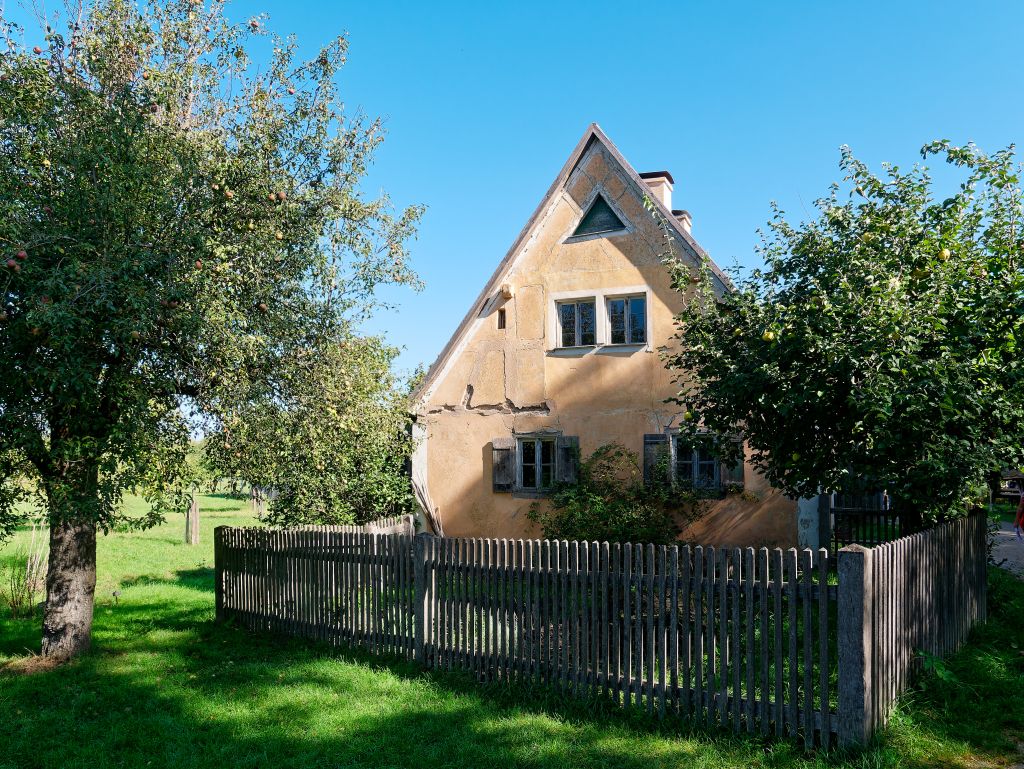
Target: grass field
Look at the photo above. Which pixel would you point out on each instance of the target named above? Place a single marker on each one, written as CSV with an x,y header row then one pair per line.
x,y
166,687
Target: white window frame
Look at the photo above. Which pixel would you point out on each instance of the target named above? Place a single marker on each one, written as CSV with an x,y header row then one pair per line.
x,y
535,441
558,321
609,298
602,340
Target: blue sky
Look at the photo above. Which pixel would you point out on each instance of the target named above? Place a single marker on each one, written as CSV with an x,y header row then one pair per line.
x,y
744,102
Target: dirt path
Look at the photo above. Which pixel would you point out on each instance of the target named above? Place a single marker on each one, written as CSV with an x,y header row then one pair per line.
x,y
1008,547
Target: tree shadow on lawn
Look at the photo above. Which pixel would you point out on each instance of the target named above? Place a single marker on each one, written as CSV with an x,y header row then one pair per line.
x,y
166,686
220,697
201,579
979,699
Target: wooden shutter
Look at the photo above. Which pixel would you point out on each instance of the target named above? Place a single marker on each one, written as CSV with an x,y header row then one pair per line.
x,y
567,458
732,475
655,451
503,464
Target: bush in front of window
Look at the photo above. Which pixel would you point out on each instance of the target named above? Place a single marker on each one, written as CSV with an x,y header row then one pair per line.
x,y
611,503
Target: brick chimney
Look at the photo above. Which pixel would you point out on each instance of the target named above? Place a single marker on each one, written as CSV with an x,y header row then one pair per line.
x,y
660,184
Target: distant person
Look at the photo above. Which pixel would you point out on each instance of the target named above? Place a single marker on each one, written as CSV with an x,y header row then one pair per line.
x,y
1018,524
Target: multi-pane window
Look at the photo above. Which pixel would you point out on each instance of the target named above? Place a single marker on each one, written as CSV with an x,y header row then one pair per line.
x,y
536,463
627,320
577,323
696,465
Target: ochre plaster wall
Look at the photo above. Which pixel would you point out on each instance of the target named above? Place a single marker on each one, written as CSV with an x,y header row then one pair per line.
x,y
505,381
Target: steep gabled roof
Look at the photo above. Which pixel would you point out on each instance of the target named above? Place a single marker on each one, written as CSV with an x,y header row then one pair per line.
x,y
689,246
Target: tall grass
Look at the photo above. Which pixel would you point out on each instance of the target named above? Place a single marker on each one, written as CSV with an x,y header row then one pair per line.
x,y
24,573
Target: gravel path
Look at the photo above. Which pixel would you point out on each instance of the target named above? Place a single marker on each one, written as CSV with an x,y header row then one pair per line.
x,y
1008,547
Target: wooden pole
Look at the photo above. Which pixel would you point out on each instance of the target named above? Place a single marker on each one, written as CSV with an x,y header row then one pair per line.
x,y
855,635
192,522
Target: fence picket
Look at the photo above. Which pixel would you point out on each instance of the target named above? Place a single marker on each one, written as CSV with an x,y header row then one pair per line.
x,y
750,660
660,657
823,654
779,704
649,645
637,596
685,636
793,673
736,657
808,657
723,636
764,712
699,570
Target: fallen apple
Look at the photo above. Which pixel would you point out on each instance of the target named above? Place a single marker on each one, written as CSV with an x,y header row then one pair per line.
x,y
136,335
11,263
263,307
279,235
23,255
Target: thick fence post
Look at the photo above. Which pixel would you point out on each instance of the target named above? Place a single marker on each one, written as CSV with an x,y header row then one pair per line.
x,y
855,636
218,571
419,597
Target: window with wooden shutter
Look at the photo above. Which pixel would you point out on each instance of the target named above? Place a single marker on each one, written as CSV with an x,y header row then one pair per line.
x,y
503,464
567,461
655,457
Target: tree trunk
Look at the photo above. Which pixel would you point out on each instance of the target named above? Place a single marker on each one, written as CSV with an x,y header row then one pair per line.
x,y
70,589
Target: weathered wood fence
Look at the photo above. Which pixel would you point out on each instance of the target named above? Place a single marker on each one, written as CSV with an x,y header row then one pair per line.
x,y
756,640
918,595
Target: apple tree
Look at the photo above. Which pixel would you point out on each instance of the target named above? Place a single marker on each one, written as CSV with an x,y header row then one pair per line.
x,y
184,239
878,347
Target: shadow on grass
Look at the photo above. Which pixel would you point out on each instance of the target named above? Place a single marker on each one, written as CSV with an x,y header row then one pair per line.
x,y
217,696
978,699
201,578
166,686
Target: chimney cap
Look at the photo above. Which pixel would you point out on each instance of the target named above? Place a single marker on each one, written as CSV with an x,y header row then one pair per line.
x,y
658,175
680,212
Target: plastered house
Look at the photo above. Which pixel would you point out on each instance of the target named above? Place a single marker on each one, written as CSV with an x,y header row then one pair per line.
x,y
561,354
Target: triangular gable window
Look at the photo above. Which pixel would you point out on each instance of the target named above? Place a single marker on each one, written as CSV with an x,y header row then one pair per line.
x,y
599,219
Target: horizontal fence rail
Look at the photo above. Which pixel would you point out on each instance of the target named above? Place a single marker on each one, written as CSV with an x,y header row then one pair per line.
x,y
776,642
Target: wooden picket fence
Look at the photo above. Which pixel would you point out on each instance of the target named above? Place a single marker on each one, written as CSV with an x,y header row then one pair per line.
x,y
918,595
759,640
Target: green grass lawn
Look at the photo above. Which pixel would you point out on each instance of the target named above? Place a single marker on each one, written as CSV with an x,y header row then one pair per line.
x,y
166,687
